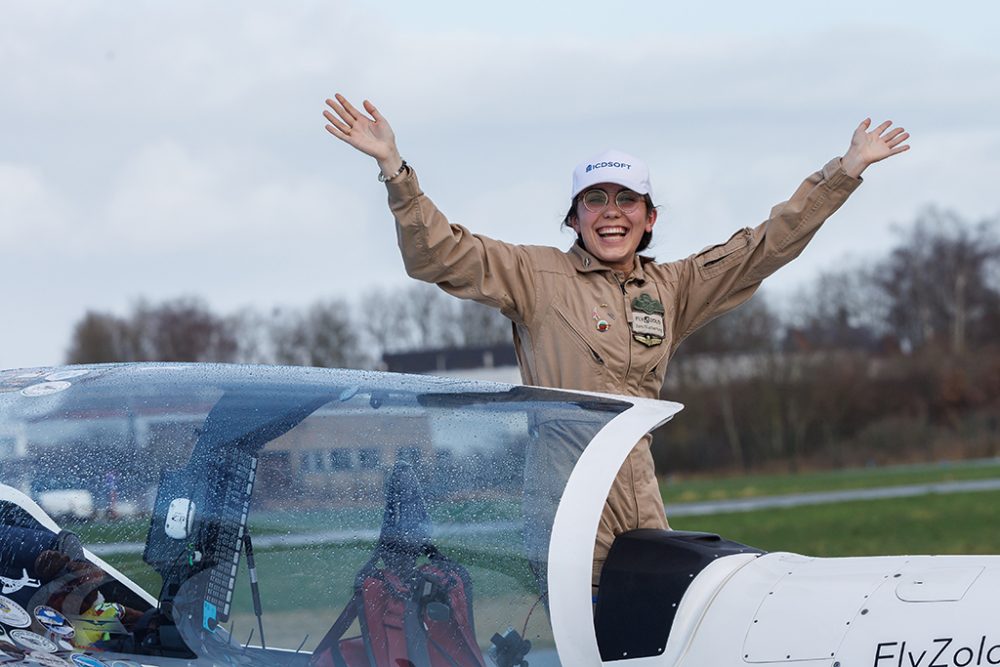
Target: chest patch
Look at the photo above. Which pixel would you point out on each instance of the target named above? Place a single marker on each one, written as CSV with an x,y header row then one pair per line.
x,y
647,320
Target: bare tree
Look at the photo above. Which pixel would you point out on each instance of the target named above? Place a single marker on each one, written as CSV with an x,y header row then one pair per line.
x,y
252,332
182,329
753,327
432,315
940,281
839,310
417,316
423,316
98,338
723,354
322,335
381,320
482,325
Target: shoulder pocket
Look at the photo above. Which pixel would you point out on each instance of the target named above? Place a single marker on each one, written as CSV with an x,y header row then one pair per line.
x,y
716,259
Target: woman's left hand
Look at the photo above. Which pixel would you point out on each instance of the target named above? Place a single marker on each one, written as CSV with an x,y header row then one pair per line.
x,y
868,147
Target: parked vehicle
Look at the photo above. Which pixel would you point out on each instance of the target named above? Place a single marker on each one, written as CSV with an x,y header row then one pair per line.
x,y
67,503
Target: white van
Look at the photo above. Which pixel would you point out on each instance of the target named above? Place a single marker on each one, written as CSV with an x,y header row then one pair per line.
x,y
67,503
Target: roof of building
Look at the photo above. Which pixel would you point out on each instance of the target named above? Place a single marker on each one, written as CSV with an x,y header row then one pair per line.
x,y
451,359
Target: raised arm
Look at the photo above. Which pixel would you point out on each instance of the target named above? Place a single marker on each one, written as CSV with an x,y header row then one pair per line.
x,y
721,277
466,265
724,276
369,133
868,147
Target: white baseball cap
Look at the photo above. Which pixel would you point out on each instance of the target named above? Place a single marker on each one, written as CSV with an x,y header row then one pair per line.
x,y
612,167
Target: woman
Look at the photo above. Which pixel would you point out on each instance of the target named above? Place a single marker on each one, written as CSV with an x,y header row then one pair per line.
x,y
600,317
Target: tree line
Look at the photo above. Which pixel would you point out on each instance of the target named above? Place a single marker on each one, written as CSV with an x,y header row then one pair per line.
x,y
330,333
891,360
887,359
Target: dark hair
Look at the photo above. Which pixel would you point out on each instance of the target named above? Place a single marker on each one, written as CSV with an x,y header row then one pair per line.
x,y
646,236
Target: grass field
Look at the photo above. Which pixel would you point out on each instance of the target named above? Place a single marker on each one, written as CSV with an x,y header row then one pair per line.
x,y
749,486
959,523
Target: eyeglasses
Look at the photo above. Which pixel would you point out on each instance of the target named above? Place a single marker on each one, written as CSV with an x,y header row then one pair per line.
x,y
596,200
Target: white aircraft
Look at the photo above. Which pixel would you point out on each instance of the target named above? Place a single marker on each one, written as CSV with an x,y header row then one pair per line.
x,y
14,585
330,518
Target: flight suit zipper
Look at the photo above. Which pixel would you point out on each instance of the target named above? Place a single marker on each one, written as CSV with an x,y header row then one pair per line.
x,y
628,318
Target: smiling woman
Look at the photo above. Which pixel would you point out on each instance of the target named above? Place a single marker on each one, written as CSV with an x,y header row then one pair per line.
x,y
599,316
614,234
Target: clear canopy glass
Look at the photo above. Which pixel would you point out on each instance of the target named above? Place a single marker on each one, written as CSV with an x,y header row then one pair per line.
x,y
131,497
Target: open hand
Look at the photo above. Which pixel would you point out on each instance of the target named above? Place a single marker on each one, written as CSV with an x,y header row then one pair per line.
x,y
369,133
868,147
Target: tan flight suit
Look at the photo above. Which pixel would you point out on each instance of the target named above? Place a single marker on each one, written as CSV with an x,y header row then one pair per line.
x,y
557,301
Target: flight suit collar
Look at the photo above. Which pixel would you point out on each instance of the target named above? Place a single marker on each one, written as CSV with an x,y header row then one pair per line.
x,y
584,262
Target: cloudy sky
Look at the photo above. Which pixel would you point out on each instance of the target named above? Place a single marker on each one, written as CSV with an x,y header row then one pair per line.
x,y
158,149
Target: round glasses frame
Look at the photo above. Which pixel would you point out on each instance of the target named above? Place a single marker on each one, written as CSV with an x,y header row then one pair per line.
x,y
596,200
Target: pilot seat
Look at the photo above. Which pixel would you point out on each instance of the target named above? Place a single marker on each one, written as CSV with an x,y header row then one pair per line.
x,y
412,603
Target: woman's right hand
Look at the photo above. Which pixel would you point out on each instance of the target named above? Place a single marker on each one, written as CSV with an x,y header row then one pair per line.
x,y
371,135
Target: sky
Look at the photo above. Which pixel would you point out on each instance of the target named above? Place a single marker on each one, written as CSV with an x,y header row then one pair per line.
x,y
155,150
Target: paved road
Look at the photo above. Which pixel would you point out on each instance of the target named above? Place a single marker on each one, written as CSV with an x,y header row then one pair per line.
x,y
825,497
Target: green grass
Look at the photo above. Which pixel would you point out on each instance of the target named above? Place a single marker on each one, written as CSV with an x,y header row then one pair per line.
x,y
749,486
959,523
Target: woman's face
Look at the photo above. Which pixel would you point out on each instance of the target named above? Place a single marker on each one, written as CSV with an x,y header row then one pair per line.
x,y
609,233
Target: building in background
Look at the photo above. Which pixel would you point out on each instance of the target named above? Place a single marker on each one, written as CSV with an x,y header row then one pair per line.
x,y
493,363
